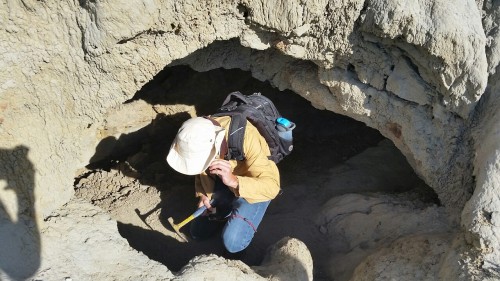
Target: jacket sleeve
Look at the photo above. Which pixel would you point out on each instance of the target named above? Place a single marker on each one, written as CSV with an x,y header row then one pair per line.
x,y
203,185
258,177
197,186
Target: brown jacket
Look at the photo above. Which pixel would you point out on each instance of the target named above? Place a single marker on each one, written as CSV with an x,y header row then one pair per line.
x,y
258,177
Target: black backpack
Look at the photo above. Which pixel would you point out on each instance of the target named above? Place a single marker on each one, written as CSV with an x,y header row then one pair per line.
x,y
262,113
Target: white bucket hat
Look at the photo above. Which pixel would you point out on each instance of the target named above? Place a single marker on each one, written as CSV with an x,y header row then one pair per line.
x,y
197,143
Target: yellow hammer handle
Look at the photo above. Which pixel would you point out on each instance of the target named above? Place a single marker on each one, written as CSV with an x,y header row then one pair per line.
x,y
198,212
188,219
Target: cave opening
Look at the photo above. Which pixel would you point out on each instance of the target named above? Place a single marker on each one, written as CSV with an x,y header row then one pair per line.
x,y
129,177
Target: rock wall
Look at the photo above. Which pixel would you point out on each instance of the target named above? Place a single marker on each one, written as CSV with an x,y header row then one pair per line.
x,y
414,70
481,216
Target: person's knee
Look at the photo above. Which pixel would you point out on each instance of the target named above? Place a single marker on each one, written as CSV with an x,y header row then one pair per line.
x,y
236,241
232,249
233,244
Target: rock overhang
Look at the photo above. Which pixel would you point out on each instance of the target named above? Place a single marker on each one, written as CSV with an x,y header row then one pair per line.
x,y
122,55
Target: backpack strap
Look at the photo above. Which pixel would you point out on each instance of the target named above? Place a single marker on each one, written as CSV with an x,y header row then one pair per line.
x,y
238,123
235,137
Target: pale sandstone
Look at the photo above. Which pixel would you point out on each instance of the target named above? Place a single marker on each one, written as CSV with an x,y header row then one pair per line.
x,y
65,65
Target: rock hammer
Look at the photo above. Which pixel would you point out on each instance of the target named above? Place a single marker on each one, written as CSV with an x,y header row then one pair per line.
x,y
177,227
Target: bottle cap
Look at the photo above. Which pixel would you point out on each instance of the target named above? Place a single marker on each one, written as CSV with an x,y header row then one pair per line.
x,y
284,122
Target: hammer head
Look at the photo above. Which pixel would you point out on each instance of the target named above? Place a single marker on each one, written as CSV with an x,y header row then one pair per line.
x,y
176,228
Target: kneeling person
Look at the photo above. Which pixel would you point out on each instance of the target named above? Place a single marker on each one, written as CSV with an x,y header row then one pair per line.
x,y
238,191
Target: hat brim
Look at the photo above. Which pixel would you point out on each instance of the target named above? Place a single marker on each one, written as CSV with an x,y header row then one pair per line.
x,y
190,166
197,163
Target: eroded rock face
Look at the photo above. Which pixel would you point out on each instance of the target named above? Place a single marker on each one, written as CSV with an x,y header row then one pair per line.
x,y
288,259
78,239
414,70
367,231
421,256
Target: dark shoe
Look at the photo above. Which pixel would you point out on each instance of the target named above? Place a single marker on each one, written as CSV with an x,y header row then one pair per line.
x,y
202,228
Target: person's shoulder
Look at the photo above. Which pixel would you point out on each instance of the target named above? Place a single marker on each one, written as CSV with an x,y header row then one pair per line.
x,y
251,128
223,120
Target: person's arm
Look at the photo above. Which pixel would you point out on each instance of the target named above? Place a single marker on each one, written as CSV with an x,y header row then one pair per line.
x,y
257,177
200,190
260,178
204,185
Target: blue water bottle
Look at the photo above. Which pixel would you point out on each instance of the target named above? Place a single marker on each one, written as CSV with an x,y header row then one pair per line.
x,y
285,127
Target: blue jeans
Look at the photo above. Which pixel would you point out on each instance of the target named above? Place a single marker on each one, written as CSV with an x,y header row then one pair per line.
x,y
238,231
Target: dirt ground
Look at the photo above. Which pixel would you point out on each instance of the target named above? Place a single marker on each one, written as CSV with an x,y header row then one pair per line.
x,y
137,187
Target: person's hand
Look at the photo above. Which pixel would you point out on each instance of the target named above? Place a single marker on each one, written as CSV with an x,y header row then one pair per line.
x,y
205,201
222,169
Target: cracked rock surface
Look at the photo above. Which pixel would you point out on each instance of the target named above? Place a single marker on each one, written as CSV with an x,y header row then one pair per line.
x,y
423,73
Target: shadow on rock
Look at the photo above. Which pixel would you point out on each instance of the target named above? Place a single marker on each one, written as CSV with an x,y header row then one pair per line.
x,y
20,237
167,250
